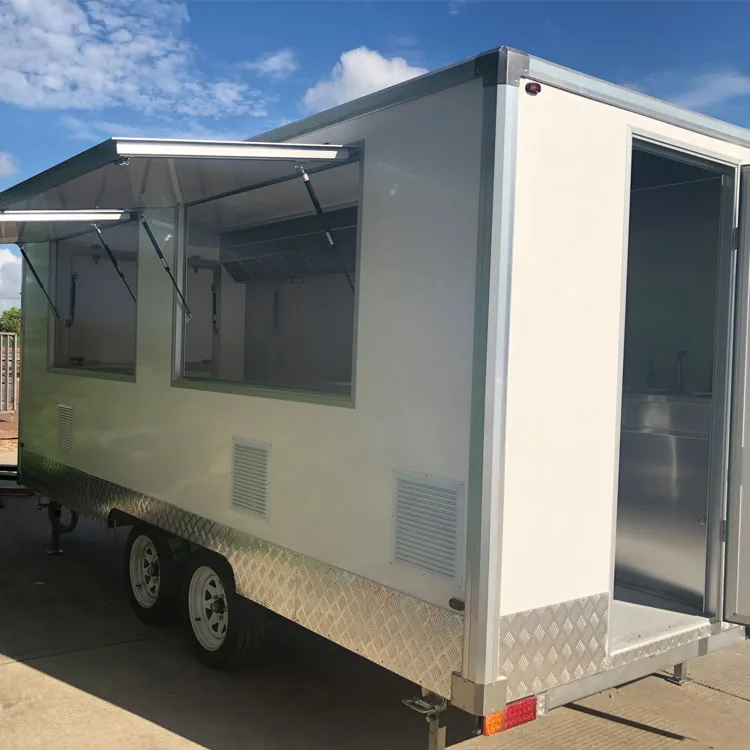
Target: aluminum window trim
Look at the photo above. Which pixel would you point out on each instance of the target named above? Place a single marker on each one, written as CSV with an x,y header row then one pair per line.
x,y
258,390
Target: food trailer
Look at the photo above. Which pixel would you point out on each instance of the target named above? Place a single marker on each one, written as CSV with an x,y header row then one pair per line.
x,y
453,375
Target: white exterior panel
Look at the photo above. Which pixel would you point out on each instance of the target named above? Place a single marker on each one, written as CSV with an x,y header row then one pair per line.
x,y
566,324
331,478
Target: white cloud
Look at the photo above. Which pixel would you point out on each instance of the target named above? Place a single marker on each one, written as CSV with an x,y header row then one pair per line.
x,y
706,90
99,130
10,278
277,65
7,165
357,73
89,54
700,91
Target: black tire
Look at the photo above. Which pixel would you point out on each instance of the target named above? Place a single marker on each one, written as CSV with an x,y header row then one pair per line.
x,y
65,526
245,624
163,610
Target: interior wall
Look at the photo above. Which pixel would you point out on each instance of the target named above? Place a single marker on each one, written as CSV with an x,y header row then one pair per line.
x,y
300,334
199,332
232,316
104,327
672,268
566,337
229,343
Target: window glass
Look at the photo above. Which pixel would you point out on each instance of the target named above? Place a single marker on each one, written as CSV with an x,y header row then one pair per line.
x,y
97,332
272,301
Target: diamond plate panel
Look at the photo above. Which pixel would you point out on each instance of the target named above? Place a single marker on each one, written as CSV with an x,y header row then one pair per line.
x,y
417,640
658,646
542,648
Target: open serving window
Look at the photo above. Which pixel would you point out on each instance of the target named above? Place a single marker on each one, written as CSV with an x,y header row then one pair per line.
x,y
263,269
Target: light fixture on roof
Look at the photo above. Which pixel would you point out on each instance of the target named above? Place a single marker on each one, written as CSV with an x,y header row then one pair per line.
x,y
153,147
54,217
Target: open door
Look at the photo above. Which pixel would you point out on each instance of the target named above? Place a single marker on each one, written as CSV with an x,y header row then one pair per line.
x,y
737,576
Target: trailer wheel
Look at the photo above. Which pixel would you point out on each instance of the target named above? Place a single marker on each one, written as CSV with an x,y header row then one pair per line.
x,y
66,526
153,572
225,626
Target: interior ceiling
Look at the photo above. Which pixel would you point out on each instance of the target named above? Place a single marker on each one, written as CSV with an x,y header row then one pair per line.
x,y
144,182
652,170
119,237
80,233
335,187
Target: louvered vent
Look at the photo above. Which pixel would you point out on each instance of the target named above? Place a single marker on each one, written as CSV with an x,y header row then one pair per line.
x,y
250,477
429,524
64,427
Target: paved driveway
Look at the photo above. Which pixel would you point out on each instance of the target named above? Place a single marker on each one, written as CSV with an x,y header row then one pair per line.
x,y
78,671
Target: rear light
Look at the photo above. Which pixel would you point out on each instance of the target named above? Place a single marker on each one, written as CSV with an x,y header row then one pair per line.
x,y
493,723
520,712
513,715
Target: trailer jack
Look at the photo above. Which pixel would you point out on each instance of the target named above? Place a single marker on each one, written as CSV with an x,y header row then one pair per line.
x,y
57,527
433,708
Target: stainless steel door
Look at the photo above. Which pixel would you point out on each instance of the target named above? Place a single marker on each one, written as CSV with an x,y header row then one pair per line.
x,y
663,491
737,588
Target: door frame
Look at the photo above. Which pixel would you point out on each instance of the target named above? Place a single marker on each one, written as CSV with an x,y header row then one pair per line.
x,y
739,452
723,396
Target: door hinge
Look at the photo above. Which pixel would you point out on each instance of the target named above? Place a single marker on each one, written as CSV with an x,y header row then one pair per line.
x,y
723,531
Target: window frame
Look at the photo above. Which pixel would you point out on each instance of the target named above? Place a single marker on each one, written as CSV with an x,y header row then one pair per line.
x,y
52,285
261,390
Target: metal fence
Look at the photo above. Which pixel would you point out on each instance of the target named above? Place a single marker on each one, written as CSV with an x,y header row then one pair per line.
x,y
10,372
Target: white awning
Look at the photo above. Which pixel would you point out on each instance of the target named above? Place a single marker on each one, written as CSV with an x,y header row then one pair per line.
x,y
43,226
141,173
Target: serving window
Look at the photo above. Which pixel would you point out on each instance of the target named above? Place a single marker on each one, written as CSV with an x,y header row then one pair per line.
x,y
270,284
95,294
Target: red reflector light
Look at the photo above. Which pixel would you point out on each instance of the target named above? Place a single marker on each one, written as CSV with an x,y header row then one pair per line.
x,y
520,712
513,715
533,88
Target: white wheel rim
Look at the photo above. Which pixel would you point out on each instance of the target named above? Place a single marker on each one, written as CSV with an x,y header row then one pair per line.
x,y
207,607
145,576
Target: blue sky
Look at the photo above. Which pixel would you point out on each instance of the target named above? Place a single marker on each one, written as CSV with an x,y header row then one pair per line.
x,y
75,72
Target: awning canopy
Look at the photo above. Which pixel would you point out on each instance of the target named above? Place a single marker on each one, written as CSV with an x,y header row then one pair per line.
x,y
138,173
43,226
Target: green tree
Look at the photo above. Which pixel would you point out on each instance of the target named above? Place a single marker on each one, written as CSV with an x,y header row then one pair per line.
x,y
10,321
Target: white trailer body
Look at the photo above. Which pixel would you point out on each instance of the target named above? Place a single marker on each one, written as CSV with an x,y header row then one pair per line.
x,y
425,471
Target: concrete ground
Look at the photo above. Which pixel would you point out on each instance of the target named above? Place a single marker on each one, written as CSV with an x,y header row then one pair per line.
x,y
78,670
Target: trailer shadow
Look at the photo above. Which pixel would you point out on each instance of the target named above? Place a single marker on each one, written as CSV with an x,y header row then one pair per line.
x,y
628,722
68,618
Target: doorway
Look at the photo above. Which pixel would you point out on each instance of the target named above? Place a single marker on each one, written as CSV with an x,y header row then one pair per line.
x,y
674,394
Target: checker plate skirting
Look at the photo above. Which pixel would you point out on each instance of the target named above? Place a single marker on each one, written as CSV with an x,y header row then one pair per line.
x,y
542,648
658,646
415,639
546,647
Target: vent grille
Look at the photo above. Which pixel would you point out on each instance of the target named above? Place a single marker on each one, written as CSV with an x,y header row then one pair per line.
x,y
64,427
429,519
250,477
